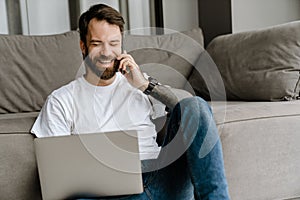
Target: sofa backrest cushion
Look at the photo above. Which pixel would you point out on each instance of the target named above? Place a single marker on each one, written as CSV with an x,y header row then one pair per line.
x,y
170,57
260,65
33,66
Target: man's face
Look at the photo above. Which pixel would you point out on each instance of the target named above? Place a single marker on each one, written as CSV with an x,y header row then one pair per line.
x,y
103,45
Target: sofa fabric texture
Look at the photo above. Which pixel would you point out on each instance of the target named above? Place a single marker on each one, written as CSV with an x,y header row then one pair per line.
x,y
169,58
261,64
32,66
261,148
18,172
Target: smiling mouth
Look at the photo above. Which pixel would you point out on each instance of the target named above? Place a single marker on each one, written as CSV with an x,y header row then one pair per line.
x,y
105,62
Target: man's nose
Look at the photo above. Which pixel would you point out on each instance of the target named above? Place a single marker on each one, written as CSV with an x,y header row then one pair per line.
x,y
106,50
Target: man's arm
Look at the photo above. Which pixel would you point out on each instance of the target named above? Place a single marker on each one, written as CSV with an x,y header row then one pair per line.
x,y
137,79
164,95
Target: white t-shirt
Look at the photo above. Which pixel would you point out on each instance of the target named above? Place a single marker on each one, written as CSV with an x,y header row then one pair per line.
x,y
80,107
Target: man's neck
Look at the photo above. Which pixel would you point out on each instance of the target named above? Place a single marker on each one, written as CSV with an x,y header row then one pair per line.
x,y
95,80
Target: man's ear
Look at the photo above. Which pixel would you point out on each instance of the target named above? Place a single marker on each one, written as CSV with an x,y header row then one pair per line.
x,y
83,48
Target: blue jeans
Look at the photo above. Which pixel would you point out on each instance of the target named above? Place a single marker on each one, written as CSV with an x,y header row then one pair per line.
x,y
199,172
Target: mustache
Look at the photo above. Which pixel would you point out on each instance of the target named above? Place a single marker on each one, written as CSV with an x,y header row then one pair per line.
x,y
105,58
103,74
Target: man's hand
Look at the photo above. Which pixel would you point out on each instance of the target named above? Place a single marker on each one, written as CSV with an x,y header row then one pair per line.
x,y
136,78
132,72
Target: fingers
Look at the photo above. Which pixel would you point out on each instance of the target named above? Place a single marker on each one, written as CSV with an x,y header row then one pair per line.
x,y
125,66
131,71
125,56
127,63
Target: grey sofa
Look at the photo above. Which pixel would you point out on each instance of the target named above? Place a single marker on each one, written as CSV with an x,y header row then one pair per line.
x,y
259,129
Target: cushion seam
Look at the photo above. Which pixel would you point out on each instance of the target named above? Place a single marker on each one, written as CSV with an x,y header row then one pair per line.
x,y
257,118
17,133
292,198
296,93
193,68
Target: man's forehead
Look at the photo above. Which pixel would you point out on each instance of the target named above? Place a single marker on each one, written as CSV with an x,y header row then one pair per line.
x,y
102,30
104,38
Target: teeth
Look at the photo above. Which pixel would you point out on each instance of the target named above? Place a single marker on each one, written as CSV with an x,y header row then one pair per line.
x,y
105,62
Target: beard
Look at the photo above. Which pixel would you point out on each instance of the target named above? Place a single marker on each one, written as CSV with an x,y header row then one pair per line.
x,y
104,74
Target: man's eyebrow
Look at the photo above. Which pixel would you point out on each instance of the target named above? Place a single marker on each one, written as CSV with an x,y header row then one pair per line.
x,y
95,41
116,40
99,41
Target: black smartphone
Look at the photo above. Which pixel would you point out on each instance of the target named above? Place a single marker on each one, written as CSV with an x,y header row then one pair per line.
x,y
116,65
117,62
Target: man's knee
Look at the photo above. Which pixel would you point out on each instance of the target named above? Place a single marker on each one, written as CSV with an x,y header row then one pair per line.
x,y
195,104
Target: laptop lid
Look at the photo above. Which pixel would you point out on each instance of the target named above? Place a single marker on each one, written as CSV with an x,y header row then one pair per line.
x,y
89,165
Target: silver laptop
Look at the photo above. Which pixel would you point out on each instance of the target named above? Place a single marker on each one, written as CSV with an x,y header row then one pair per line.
x,y
89,165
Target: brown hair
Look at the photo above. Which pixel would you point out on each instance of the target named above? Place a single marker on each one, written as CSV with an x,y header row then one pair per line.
x,y
100,12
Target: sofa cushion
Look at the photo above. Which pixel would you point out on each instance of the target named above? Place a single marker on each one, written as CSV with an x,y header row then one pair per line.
x,y
12,123
261,148
33,66
18,170
170,57
205,79
259,65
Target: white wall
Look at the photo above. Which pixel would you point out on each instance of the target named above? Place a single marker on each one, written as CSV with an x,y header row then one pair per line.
x,y
180,15
139,17
85,4
256,14
41,17
3,18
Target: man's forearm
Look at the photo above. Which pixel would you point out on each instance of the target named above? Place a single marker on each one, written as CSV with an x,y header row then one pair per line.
x,y
164,95
160,92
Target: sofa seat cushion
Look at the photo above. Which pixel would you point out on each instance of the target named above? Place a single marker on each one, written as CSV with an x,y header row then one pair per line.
x,y
261,148
18,170
235,111
17,122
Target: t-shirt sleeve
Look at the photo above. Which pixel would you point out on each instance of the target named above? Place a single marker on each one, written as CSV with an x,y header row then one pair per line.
x,y
52,120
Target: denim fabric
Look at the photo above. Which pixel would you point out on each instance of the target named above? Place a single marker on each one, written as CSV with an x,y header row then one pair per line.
x,y
198,172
